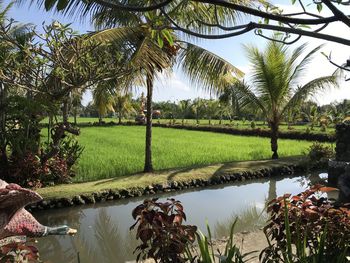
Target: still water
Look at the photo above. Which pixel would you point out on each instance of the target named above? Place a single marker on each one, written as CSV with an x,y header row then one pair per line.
x,y
103,229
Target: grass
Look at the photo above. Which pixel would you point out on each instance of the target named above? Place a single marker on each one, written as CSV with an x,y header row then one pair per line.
x,y
160,177
119,150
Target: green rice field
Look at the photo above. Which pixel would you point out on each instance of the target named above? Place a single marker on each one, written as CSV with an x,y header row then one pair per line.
x,y
119,150
238,124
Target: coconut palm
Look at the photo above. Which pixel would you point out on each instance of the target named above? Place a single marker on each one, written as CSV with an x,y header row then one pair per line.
x,y
184,107
122,105
311,113
212,109
103,99
275,77
198,107
149,52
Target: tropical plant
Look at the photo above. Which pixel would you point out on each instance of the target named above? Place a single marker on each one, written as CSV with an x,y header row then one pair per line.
x,y
150,51
311,113
104,99
231,253
19,252
230,97
160,229
212,109
198,106
275,78
184,107
122,105
306,228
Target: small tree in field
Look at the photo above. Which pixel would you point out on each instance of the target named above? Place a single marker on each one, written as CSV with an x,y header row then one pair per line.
x,y
275,83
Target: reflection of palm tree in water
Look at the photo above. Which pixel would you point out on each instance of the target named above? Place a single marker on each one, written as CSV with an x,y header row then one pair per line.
x,y
108,245
272,190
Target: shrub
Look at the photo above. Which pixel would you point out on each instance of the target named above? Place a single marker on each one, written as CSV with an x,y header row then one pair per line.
x,y
19,252
319,152
317,230
252,125
29,170
160,229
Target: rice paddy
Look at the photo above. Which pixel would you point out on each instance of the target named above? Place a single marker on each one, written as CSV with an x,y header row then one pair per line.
x,y
119,150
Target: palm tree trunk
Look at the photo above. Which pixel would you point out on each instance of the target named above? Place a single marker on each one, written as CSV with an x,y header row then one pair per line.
x,y
148,151
120,117
65,111
274,138
75,116
183,121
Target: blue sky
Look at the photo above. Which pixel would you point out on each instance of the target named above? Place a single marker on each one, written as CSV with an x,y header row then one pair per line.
x,y
177,86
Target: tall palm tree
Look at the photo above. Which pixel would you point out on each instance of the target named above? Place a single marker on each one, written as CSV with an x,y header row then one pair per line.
x,y
275,78
150,52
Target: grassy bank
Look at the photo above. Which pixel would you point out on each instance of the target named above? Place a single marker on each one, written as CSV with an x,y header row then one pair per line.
x,y
179,175
119,150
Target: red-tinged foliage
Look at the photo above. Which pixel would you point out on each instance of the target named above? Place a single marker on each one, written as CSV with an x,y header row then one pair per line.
x,y
310,214
31,173
160,229
19,252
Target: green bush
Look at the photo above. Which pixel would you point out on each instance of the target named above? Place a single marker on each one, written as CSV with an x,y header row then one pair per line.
x,y
307,228
319,152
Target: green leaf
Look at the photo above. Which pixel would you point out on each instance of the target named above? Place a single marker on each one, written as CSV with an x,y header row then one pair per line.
x,y
62,4
49,4
293,2
319,8
168,37
160,41
266,20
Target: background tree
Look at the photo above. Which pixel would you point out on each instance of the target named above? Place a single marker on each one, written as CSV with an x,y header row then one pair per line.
x,y
103,99
184,107
122,105
212,109
198,107
275,76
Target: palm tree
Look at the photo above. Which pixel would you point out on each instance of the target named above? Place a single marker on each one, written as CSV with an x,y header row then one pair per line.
x,y
198,107
103,99
311,113
212,108
275,76
150,52
184,107
230,97
223,111
122,105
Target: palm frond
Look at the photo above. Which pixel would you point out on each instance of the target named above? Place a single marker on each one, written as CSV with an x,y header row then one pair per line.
x,y
310,88
204,68
299,69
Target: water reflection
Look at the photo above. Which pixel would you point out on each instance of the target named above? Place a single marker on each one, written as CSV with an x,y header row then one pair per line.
x,y
103,229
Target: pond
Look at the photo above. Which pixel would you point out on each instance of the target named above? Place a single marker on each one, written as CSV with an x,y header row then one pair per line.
x,y
103,228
